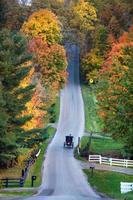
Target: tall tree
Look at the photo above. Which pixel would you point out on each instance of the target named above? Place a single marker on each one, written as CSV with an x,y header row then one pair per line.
x,y
14,67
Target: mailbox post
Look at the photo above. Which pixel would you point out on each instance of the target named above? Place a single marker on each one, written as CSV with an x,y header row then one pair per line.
x,y
92,167
33,178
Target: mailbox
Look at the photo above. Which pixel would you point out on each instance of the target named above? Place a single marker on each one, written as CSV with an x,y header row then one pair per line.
x,y
33,178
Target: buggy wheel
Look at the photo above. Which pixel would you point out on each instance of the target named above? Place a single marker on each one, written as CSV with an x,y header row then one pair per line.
x,y
72,145
64,145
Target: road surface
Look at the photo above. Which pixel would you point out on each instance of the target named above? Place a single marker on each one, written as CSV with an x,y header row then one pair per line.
x,y
62,177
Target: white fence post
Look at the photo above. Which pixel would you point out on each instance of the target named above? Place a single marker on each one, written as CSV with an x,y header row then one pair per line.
x,y
110,161
126,163
100,159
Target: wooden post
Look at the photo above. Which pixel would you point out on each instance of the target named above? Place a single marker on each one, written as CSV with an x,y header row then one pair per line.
x,y
6,184
89,145
78,148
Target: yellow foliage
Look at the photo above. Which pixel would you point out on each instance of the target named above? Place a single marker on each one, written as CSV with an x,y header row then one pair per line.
x,y
21,158
84,16
44,24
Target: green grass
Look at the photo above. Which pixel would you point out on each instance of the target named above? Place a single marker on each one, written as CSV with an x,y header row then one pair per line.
x,y
109,183
36,168
57,109
102,146
17,194
92,121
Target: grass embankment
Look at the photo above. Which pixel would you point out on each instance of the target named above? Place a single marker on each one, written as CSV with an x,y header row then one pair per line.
x,y
57,109
92,120
102,146
109,183
35,169
16,194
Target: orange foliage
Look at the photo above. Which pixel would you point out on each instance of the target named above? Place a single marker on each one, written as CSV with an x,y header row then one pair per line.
x,y
113,76
51,62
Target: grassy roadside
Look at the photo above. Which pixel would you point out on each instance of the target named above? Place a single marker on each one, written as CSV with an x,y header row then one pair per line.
x,y
16,194
35,169
92,121
57,108
102,146
109,183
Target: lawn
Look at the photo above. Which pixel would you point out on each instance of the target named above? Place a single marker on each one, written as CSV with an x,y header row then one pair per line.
x,y
103,146
109,183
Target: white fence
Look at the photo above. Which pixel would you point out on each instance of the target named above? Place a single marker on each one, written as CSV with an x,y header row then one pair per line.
x,y
126,187
111,161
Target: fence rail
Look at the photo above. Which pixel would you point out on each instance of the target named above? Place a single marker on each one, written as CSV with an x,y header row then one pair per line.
x,y
126,187
111,161
11,182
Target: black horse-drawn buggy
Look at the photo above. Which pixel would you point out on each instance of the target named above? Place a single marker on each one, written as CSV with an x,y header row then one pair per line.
x,y
69,142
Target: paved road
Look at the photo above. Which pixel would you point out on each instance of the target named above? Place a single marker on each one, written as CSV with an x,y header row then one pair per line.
x,y
122,170
62,177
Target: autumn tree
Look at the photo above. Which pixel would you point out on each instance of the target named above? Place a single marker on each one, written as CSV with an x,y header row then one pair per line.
x,y
13,14
92,61
84,16
43,24
50,62
116,17
115,91
43,31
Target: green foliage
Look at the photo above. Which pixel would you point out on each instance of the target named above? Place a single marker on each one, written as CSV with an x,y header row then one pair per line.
x,y
115,92
92,61
13,68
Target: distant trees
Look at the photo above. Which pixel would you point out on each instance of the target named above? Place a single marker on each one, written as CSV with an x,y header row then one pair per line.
x,y
43,24
13,14
49,57
77,18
